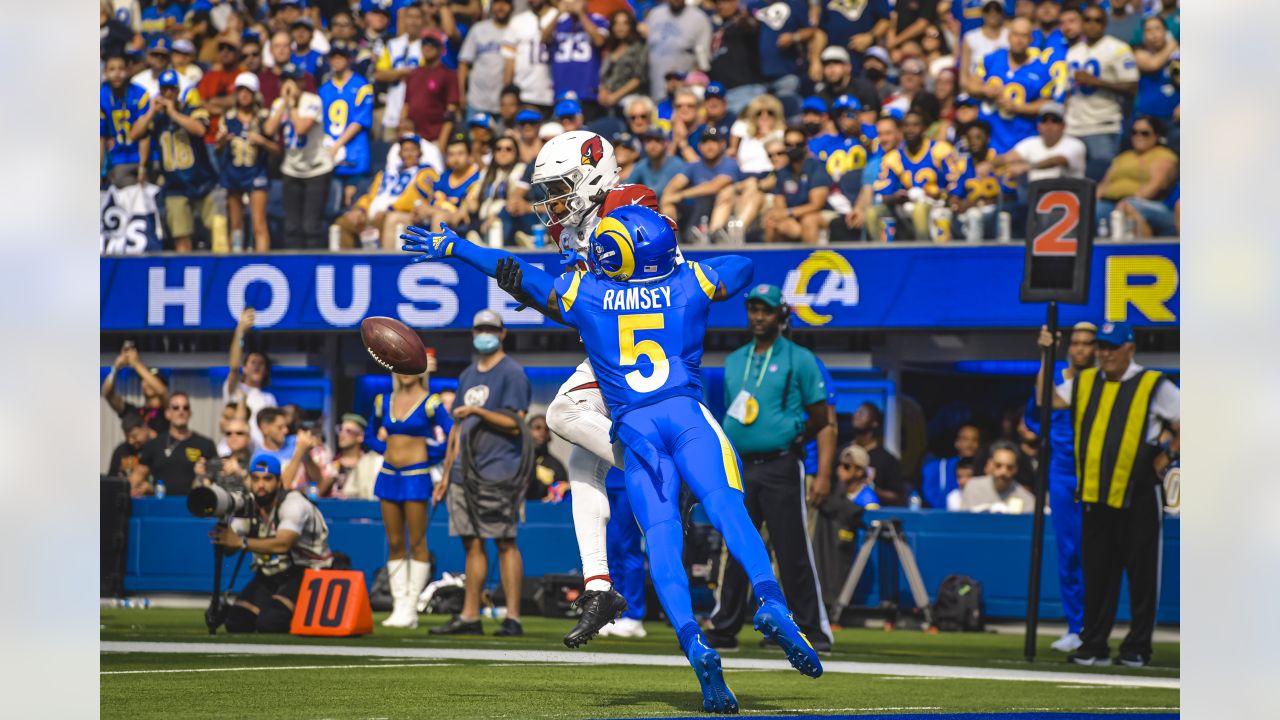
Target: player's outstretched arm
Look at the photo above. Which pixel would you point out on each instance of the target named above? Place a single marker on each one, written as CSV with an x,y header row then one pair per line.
x,y
536,282
735,274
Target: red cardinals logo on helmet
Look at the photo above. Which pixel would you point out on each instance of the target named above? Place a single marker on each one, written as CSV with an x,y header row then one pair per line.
x,y
592,151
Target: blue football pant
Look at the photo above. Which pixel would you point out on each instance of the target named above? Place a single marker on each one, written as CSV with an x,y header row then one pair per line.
x,y
1066,530
626,556
690,447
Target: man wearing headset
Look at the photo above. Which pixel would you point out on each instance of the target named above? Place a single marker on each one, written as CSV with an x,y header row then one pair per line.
x,y
777,402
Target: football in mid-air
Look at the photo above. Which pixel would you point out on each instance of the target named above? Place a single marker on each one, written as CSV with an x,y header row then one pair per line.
x,y
394,345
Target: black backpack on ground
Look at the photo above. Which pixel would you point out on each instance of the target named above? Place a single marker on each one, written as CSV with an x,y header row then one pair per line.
x,y
958,607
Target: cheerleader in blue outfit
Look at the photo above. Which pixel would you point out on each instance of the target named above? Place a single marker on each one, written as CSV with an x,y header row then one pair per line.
x,y
406,424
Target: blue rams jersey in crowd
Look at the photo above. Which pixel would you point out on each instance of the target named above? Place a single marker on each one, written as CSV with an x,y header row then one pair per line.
x,y
1030,82
866,498
575,62
187,167
312,61
154,19
777,17
116,115
644,340
928,168
243,164
1052,46
842,19
350,102
811,449
453,187
969,13
1161,91
967,184
839,153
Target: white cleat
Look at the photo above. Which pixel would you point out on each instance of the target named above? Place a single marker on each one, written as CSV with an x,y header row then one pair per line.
x,y
627,628
1067,643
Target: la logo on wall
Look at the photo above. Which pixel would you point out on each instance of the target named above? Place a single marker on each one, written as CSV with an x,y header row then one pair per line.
x,y
822,279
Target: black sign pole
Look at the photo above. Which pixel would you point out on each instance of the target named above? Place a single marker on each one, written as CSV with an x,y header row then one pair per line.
x,y
1047,356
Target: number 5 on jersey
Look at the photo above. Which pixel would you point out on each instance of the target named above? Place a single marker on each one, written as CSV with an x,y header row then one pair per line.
x,y
630,351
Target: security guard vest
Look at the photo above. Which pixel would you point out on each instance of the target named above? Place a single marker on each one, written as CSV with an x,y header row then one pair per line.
x,y
1110,421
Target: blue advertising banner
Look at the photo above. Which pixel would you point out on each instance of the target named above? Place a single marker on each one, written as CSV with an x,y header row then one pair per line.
x,y
887,287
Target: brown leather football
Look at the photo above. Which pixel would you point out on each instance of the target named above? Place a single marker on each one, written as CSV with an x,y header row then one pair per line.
x,y
394,345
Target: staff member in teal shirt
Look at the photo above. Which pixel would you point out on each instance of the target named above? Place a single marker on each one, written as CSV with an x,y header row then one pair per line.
x,y
777,400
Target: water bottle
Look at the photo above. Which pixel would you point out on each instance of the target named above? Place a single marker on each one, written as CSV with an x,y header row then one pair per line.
x,y
369,238
497,613
335,238
136,603
704,225
1004,226
1104,230
160,489
915,502
539,235
973,225
940,223
888,229
313,492
237,241
1119,225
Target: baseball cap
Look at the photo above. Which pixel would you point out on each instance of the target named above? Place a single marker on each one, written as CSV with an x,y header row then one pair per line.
x,y
846,102
161,44
550,130
878,53
893,112
675,75
568,108
857,455
487,318
626,140
835,53
480,120
303,21
1085,325
432,37
356,418
372,6
184,46
813,103
966,99
654,133
291,3
1115,333
770,295
168,78
248,81
342,47
528,116
913,66
714,132
1052,108
409,137
263,463
714,90
292,72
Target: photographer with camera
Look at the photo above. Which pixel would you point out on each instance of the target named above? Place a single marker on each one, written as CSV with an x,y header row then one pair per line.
x,y
286,534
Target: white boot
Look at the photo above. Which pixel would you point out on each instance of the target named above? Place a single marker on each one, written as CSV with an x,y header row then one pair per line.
x,y
398,577
419,574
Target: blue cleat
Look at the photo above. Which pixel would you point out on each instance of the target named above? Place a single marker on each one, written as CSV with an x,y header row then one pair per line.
x,y
773,620
716,695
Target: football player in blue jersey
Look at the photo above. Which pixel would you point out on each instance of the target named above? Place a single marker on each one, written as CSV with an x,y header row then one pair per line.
x,y
642,317
348,116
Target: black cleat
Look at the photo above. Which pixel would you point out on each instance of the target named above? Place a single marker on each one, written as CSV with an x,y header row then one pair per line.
x,y
458,626
599,608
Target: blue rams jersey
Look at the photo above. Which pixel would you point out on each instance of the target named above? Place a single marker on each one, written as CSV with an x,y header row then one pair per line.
x,y
1052,46
575,62
967,184
116,115
155,18
243,165
969,13
928,168
644,340
351,102
866,498
312,61
452,187
841,154
1032,81
187,167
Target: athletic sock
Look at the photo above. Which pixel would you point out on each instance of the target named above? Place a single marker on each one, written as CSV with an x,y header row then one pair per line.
x,y
687,634
769,591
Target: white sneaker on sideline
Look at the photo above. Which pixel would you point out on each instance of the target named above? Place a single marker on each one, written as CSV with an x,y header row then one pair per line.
x,y
1066,643
627,627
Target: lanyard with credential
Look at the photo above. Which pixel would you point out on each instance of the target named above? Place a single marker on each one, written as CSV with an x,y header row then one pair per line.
x,y
746,371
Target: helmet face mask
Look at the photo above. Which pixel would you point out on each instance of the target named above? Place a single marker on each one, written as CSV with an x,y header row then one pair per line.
x,y
546,194
572,173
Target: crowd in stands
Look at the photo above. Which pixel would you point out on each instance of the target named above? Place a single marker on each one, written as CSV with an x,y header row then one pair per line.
x,y
296,124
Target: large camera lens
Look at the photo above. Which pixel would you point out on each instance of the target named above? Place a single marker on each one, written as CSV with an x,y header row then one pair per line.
x,y
213,501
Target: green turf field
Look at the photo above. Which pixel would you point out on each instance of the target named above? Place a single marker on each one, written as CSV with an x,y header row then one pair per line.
x,y
196,683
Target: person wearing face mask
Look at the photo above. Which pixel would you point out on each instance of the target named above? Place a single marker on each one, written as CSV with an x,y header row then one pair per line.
x,y
800,194
286,536
487,465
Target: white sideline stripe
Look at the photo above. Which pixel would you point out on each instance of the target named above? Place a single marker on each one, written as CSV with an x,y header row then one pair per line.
x,y
277,667
590,658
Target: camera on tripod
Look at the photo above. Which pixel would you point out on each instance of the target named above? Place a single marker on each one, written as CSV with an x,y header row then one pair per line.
x,y
220,502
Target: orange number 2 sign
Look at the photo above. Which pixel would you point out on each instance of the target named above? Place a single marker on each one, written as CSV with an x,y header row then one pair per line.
x,y
1052,240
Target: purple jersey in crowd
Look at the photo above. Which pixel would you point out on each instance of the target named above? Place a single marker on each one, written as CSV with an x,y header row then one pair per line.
x,y
575,62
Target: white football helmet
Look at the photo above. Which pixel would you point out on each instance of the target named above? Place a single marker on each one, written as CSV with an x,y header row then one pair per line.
x,y
576,170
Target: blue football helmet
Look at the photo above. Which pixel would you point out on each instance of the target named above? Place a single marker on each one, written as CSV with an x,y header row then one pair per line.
x,y
631,244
